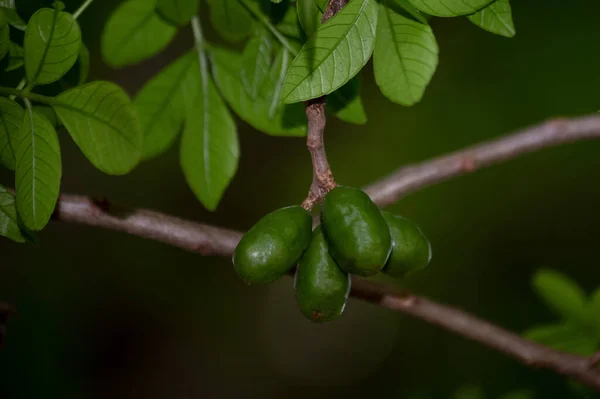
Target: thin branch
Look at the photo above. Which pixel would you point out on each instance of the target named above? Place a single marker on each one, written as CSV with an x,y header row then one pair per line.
x,y
412,178
210,240
323,180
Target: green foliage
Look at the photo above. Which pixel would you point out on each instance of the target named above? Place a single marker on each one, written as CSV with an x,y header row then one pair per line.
x,y
309,16
450,8
335,54
9,224
209,146
321,4
406,55
578,331
16,57
178,12
84,64
256,62
289,57
560,293
345,103
231,19
265,113
103,123
135,32
4,35
495,18
38,170
162,101
52,43
12,17
11,117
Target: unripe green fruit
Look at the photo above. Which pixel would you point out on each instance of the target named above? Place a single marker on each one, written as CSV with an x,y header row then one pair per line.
x,y
321,286
358,236
273,245
410,248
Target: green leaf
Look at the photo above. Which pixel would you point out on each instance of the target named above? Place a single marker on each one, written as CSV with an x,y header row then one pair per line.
x,y
567,337
230,19
38,170
290,26
495,18
10,9
405,57
84,64
409,8
103,123
16,57
345,103
209,147
335,54
321,4
450,8
256,62
266,113
309,16
4,35
161,103
52,42
178,12
9,222
561,294
49,113
134,32
11,119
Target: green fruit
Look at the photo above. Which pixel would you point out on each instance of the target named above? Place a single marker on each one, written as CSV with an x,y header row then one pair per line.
x,y
321,286
410,248
273,245
358,236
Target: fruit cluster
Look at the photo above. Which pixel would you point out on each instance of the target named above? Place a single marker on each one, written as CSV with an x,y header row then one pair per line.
x,y
355,237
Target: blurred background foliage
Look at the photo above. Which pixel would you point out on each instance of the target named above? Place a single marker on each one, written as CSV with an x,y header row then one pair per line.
x,y
103,314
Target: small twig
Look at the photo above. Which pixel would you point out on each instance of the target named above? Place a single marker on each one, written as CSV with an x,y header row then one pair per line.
x,y
323,180
412,178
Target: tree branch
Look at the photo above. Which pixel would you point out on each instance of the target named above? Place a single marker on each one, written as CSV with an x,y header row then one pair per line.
x,y
549,134
210,240
323,180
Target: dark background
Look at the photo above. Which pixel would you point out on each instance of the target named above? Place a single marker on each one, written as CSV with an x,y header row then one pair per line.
x,y
103,314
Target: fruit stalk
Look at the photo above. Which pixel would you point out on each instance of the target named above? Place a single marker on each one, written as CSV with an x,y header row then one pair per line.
x,y
323,180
